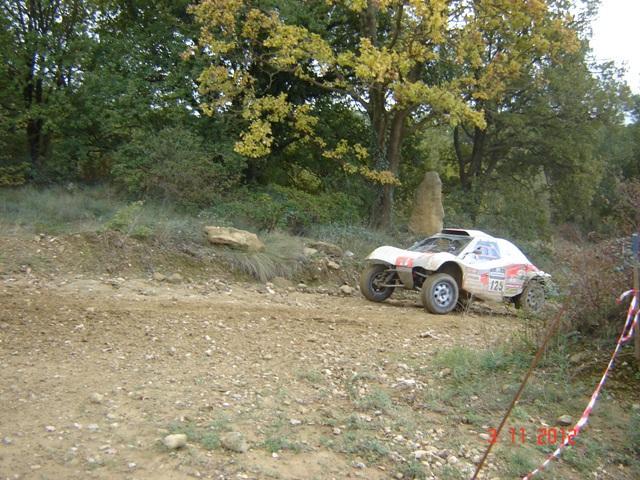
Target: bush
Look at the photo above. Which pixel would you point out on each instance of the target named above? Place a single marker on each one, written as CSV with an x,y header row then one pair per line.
x,y
129,220
594,275
14,175
504,209
175,164
286,208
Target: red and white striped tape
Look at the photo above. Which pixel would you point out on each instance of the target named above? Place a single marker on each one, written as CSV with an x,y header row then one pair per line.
x,y
625,336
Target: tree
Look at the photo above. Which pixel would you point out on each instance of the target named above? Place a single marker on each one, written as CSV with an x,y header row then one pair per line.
x,y
47,40
507,63
405,63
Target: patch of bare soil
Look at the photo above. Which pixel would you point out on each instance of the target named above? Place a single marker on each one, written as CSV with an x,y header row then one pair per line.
x,y
96,371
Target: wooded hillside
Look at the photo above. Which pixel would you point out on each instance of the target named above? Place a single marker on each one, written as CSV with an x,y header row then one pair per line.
x,y
335,108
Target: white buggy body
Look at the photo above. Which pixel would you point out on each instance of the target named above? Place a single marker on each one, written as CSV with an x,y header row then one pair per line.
x,y
467,264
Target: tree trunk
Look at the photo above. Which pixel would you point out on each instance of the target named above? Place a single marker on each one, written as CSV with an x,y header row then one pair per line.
x,y
382,215
462,170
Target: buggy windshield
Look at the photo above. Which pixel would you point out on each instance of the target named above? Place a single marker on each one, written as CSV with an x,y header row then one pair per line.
x,y
453,244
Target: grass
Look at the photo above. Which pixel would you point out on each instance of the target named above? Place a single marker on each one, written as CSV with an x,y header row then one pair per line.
x,y
378,399
413,470
278,443
283,257
357,239
207,436
312,376
60,211
57,210
519,461
362,444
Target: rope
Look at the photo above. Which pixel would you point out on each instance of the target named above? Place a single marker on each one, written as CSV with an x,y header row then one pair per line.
x,y
625,336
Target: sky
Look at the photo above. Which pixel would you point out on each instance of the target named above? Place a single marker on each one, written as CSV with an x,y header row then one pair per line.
x,y
616,36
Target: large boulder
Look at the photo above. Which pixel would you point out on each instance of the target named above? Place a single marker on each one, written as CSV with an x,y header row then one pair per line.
x,y
234,238
428,213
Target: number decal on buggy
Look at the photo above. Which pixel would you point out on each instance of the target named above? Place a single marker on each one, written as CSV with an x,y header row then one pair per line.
x,y
496,285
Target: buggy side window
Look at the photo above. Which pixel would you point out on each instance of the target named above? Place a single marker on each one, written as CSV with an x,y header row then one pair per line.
x,y
487,250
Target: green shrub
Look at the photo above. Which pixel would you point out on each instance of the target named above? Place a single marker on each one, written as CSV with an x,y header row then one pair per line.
x,y
593,276
504,209
14,175
175,164
129,220
286,208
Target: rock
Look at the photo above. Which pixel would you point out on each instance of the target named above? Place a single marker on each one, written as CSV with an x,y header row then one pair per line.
x,y
336,431
175,278
302,286
175,441
445,372
7,440
349,253
234,238
347,290
158,277
309,252
333,265
235,442
428,213
420,454
485,436
295,422
579,357
406,383
452,460
281,282
565,420
96,398
326,248
50,428
359,465
92,427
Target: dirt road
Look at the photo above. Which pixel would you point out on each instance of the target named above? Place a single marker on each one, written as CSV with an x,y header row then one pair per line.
x,y
95,372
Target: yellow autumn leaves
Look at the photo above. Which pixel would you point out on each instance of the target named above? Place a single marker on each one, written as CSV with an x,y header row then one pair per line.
x,y
441,56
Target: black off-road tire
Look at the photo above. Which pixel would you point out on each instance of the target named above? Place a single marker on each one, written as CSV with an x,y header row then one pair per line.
x,y
531,300
371,277
439,293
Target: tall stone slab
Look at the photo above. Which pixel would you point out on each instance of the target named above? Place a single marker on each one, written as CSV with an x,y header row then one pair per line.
x,y
428,213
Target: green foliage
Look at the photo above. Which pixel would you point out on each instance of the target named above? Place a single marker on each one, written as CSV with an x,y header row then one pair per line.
x,y
130,221
175,164
285,208
509,208
277,443
14,175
